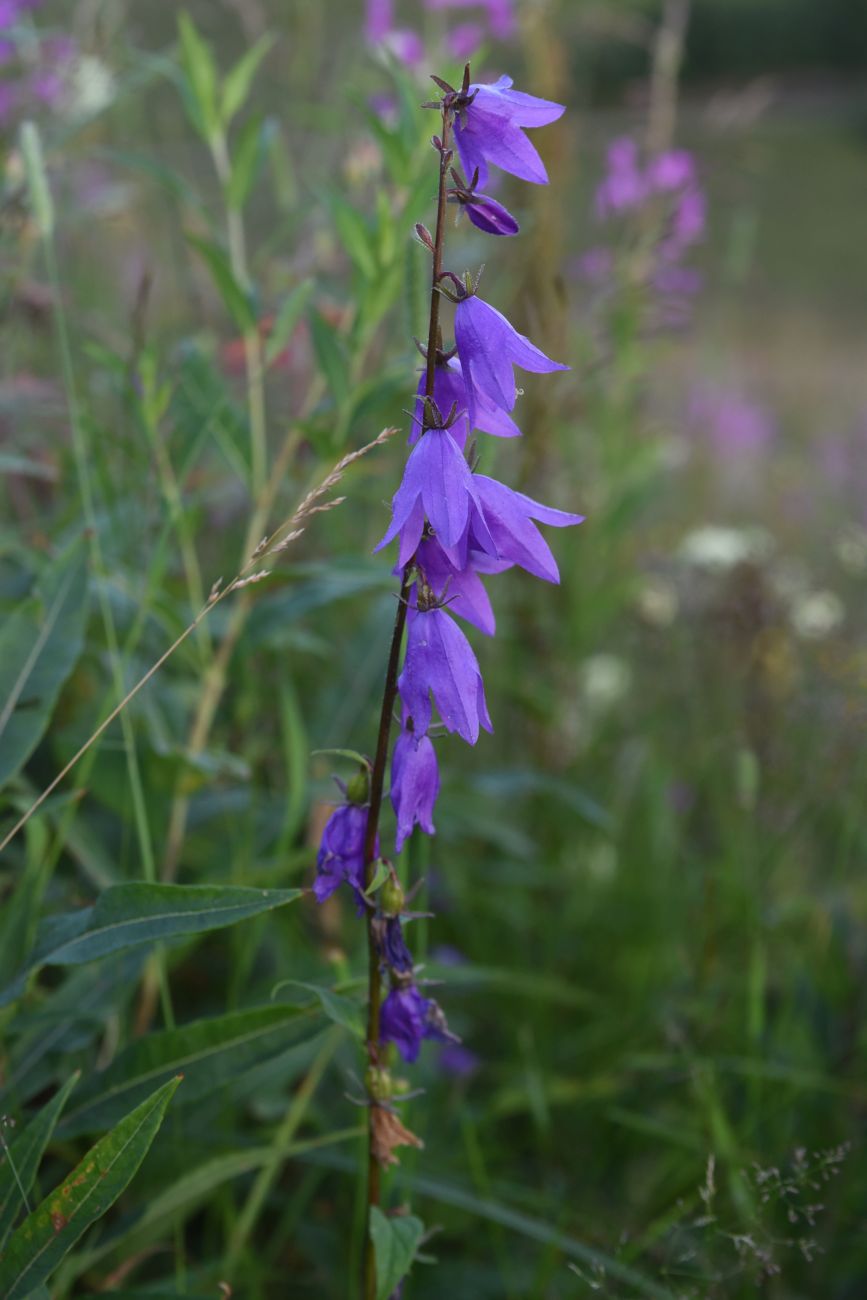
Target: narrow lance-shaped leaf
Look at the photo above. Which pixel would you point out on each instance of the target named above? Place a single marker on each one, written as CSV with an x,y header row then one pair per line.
x,y
237,82
234,295
200,79
209,1053
20,1162
39,646
130,914
45,1236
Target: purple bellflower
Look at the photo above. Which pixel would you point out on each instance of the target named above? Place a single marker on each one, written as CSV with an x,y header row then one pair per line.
x,y
440,662
450,390
437,482
415,784
490,129
489,348
392,946
341,851
508,519
462,587
408,1017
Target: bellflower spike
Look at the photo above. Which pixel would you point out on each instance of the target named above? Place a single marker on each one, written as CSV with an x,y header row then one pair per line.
x,y
490,130
489,347
440,662
437,482
450,390
341,852
415,784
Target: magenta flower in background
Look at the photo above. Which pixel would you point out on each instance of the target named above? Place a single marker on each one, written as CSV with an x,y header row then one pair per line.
x,y
440,662
450,390
462,41
624,187
489,347
459,1061
731,423
500,13
491,130
379,20
415,784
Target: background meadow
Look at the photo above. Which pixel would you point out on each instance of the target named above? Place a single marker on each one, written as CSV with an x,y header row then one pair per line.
x,y
651,906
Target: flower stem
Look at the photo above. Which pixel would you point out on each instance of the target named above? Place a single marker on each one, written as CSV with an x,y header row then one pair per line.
x,y
389,695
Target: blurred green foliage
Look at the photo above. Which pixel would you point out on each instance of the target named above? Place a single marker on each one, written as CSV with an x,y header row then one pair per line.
x,y
651,915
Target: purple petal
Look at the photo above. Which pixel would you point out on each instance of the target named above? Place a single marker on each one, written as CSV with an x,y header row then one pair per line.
x,y
491,217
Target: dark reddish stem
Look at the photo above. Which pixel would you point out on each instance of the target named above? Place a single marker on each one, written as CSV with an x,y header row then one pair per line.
x,y
389,695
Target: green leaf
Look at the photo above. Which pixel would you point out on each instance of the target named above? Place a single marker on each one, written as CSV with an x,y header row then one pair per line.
x,y
209,1053
395,1242
236,299
236,84
38,187
131,914
39,647
343,1011
21,1162
352,754
330,356
247,157
45,1236
354,236
380,875
200,78
287,319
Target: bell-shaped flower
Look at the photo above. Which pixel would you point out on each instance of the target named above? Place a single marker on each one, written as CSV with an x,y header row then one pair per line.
x,y
490,129
462,587
407,1017
440,662
415,784
341,851
508,519
392,945
450,391
489,348
437,482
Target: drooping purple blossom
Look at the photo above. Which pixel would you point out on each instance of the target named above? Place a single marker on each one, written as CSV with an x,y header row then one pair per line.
x,y
491,130
450,390
415,784
507,517
437,482
392,945
459,1061
341,851
488,215
407,1018
489,347
463,587
440,663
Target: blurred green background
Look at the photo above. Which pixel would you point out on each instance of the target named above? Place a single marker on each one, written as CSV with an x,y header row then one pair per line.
x,y
651,912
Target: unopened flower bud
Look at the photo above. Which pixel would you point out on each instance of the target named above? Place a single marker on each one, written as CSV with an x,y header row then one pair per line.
x,y
358,789
378,1083
391,898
